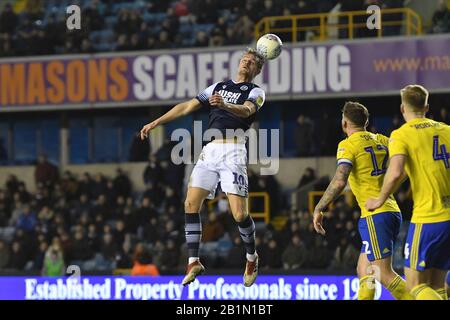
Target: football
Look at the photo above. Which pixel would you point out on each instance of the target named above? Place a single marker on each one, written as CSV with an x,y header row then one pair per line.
x,y
269,46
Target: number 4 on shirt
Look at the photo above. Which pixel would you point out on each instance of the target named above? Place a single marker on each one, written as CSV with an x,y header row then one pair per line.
x,y
440,152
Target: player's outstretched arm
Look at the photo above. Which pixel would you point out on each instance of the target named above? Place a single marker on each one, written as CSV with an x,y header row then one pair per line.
x,y
241,110
334,189
395,175
179,110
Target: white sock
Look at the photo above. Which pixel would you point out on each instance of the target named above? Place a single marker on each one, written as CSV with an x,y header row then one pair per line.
x,y
193,259
251,257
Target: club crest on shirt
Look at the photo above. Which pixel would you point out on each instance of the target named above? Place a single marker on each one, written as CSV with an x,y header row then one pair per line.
x,y
259,101
243,88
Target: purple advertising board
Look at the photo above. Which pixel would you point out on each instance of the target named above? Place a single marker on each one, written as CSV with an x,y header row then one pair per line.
x,y
274,287
304,70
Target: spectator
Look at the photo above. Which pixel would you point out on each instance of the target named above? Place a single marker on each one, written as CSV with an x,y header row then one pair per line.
x,y
5,209
169,257
101,208
153,172
443,116
303,136
345,256
108,247
181,8
85,185
146,211
80,248
119,233
122,183
236,254
80,207
142,262
169,232
320,255
163,41
273,255
308,176
99,185
39,258
441,18
212,229
150,231
8,20
206,11
53,263
295,255
27,219
130,216
6,50
33,9
92,18
45,172
93,238
135,42
122,43
18,257
87,47
123,257
4,255
244,29
201,40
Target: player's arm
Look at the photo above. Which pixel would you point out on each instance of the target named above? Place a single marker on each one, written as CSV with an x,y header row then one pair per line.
x,y
334,189
394,177
181,109
244,110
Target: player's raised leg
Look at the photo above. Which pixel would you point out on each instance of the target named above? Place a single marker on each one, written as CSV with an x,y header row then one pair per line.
x,y
193,231
239,209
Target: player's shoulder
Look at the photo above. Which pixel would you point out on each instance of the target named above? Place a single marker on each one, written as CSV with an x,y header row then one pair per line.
x,y
345,144
401,131
381,138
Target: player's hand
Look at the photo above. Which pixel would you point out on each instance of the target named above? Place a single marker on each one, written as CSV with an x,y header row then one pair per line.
x,y
216,100
146,129
373,204
317,222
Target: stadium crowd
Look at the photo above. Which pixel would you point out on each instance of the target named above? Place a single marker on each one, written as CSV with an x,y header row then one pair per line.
x,y
99,223
36,28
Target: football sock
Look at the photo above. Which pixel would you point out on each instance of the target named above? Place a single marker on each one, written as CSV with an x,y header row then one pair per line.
x,y
247,231
424,292
193,233
397,288
443,293
366,289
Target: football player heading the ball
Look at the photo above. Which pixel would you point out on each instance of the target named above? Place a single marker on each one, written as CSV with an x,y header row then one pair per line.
x,y
233,105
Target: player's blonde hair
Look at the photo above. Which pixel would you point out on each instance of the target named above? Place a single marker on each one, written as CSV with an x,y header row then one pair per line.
x,y
356,113
259,58
415,96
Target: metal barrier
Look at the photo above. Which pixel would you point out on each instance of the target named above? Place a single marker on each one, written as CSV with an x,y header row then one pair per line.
x,y
265,214
321,23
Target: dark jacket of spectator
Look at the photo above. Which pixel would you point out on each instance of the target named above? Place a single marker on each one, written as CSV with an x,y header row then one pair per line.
x,y
295,256
45,172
